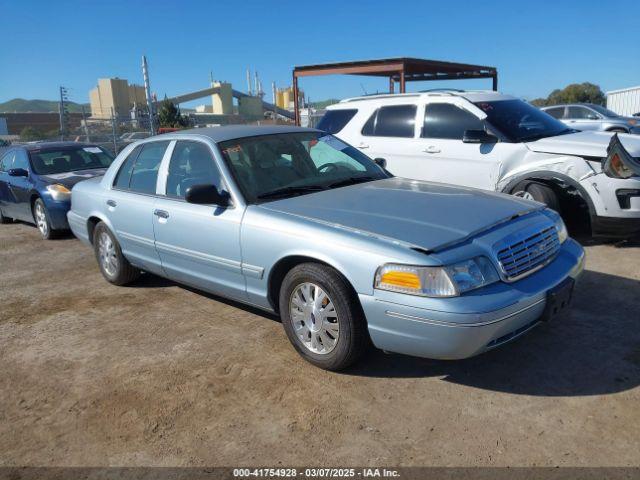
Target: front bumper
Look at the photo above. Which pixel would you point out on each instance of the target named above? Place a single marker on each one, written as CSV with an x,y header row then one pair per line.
x,y
57,211
461,327
615,227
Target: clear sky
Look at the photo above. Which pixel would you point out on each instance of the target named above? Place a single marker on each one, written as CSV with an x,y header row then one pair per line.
x,y
537,45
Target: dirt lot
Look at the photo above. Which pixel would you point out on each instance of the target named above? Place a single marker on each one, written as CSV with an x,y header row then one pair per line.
x,y
157,374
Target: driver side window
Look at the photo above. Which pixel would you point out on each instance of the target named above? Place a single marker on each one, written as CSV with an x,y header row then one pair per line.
x,y
580,113
448,121
191,164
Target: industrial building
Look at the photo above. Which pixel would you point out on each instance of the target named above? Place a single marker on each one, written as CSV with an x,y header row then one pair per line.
x,y
624,102
114,96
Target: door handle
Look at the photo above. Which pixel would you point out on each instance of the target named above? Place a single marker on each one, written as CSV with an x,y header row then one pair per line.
x,y
431,149
161,213
362,146
111,203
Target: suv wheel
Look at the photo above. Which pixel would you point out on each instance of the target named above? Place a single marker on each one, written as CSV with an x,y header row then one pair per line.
x,y
113,265
538,192
322,317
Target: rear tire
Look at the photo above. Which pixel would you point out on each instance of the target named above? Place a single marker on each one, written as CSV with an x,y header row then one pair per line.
x,y
113,264
538,192
322,317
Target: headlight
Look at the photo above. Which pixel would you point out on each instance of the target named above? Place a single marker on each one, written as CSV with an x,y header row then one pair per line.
x,y
448,281
560,226
59,192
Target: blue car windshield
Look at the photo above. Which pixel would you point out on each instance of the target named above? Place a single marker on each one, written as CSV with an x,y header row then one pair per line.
x,y
521,122
53,160
269,167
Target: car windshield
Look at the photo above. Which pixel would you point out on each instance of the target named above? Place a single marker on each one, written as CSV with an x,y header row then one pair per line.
x,y
53,160
270,167
604,111
520,121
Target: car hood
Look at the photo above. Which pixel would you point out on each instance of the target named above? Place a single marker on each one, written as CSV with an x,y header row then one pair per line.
x,y
421,214
69,179
585,144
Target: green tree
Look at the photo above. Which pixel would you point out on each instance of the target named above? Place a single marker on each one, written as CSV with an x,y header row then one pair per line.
x,y
169,115
30,134
575,93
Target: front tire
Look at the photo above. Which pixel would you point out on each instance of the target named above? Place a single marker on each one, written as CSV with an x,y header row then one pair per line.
x,y
113,264
322,317
41,217
538,192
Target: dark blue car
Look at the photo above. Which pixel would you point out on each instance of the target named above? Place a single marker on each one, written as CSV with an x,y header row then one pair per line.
x,y
36,181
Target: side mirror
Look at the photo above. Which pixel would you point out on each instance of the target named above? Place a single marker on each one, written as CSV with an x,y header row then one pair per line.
x,y
478,136
381,162
207,195
18,172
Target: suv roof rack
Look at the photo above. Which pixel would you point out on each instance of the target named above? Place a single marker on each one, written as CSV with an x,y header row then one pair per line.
x,y
379,95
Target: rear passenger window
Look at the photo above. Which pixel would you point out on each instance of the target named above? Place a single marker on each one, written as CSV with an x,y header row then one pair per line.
x,y
448,121
6,162
124,174
145,168
392,121
557,112
335,120
191,164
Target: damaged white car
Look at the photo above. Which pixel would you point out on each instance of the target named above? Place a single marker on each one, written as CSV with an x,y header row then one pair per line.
x,y
498,142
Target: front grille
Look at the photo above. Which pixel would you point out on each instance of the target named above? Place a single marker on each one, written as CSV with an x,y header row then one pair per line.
x,y
528,253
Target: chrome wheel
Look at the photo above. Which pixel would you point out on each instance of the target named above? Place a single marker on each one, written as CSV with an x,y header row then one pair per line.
x,y
314,318
107,254
41,219
524,194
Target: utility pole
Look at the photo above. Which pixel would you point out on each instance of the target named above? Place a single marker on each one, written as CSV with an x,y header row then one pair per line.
x,y
147,92
84,121
274,92
113,132
62,110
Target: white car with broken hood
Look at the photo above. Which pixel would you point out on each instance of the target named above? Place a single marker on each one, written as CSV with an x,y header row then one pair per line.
x,y
497,142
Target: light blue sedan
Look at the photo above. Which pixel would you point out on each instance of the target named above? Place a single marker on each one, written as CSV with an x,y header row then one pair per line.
x,y
297,222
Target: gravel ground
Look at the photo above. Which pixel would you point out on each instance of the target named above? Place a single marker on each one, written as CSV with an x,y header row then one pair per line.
x,y
159,374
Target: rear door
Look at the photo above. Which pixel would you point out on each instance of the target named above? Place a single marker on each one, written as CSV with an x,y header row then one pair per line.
x,y
197,244
131,202
388,133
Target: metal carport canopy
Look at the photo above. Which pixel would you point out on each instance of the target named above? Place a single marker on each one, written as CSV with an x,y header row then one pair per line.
x,y
402,70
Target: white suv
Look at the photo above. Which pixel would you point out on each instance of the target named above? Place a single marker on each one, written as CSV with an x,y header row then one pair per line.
x,y
497,142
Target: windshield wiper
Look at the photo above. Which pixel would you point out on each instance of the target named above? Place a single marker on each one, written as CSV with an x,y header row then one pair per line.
x,y
351,181
286,191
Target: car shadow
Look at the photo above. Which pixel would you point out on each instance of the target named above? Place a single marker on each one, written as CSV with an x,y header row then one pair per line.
x,y
149,280
592,350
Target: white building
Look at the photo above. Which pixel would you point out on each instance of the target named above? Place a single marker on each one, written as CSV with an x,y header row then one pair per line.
x,y
624,102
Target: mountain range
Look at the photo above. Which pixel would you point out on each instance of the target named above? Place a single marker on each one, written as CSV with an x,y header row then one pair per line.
x,y
20,105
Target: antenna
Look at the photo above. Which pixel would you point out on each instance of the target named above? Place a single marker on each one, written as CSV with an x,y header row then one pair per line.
x,y
363,89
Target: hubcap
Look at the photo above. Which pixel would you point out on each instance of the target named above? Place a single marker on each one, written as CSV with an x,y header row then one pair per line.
x,y
41,219
314,318
107,254
524,194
